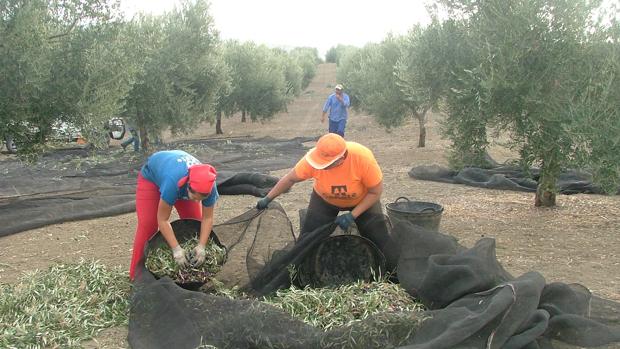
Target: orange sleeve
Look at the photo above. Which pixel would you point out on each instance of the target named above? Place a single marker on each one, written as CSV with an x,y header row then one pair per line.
x,y
303,170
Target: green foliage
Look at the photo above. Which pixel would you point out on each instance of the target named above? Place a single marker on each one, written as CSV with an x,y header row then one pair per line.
x,y
96,74
396,79
329,308
349,74
515,72
56,65
377,83
293,73
259,82
160,262
335,54
307,58
182,72
455,66
62,306
597,136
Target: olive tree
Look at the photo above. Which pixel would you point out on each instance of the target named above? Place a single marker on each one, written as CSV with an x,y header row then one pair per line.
x,y
335,54
293,73
375,83
455,64
349,73
182,74
259,86
307,58
525,82
396,79
597,136
96,73
57,63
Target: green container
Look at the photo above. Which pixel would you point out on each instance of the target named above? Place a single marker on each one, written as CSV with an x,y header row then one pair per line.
x,y
420,213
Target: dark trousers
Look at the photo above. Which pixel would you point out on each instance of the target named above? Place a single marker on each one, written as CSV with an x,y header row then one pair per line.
x,y
135,139
371,224
337,127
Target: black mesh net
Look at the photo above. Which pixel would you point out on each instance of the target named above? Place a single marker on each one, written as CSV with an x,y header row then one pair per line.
x,y
506,177
472,301
74,184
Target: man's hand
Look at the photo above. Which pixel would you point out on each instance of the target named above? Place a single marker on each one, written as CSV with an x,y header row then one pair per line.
x,y
344,221
200,254
179,256
263,203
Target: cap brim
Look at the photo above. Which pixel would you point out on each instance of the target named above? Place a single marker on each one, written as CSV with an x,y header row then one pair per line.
x,y
321,165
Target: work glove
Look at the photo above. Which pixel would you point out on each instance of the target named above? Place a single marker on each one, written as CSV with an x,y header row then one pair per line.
x,y
263,203
344,221
179,256
199,256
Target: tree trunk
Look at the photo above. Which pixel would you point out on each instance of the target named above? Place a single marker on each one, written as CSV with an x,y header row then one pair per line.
x,y
243,119
546,189
422,139
422,122
144,138
218,124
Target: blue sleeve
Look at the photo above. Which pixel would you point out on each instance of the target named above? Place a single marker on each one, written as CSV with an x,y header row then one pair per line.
x,y
347,101
169,192
327,104
212,198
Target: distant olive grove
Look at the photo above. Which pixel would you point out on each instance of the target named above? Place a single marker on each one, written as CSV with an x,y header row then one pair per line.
x,y
544,73
80,62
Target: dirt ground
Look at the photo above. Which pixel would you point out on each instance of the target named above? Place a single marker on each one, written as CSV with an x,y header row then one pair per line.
x,y
577,241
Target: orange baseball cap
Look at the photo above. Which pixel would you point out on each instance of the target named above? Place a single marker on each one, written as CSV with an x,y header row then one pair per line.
x,y
201,178
329,148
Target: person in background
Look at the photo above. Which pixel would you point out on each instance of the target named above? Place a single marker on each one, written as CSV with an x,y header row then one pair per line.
x,y
134,138
173,178
337,104
346,178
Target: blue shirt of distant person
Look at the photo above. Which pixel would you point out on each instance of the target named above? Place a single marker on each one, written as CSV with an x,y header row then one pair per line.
x,y
337,104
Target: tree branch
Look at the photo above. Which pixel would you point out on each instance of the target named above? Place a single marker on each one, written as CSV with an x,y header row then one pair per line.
x,y
65,33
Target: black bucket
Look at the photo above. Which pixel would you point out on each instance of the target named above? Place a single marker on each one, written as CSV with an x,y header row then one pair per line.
x,y
340,260
184,230
420,213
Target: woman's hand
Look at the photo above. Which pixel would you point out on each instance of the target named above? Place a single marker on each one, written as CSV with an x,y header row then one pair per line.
x,y
179,256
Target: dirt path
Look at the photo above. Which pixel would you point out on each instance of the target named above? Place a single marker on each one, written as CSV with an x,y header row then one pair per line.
x,y
575,242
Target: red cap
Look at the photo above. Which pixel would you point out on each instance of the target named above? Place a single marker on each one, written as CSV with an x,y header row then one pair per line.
x,y
201,178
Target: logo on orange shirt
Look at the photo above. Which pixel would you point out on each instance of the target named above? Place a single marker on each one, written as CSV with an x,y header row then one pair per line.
x,y
340,192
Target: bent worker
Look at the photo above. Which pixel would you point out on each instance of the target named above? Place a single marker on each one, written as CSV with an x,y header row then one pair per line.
x,y
173,178
346,178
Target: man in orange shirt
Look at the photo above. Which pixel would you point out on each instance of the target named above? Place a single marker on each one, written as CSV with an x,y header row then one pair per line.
x,y
346,178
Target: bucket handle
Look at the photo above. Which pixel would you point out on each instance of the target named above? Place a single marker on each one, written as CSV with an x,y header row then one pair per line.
x,y
428,209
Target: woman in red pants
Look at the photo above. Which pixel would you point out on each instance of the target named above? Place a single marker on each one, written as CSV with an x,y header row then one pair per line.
x,y
173,178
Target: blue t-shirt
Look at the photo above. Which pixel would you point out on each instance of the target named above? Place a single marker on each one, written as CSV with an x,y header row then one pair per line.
x,y
337,109
166,168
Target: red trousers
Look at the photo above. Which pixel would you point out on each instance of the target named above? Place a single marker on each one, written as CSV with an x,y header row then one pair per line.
x,y
147,202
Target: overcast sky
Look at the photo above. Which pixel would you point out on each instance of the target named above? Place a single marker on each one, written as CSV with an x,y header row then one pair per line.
x,y
316,23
